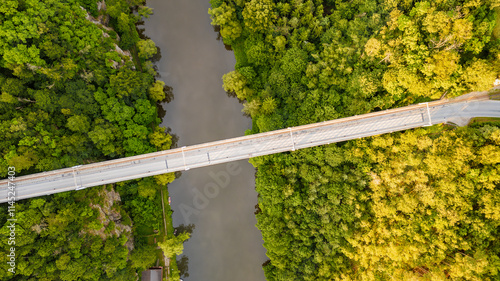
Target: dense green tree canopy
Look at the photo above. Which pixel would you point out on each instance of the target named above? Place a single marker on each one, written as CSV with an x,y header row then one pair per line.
x,y
69,96
420,204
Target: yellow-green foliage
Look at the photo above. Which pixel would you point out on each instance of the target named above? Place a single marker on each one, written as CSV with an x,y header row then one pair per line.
x,y
225,17
408,205
258,15
416,205
496,31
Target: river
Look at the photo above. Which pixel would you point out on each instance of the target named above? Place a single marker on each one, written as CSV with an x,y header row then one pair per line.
x,y
219,200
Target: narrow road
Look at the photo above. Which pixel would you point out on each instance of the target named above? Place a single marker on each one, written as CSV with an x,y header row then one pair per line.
x,y
457,111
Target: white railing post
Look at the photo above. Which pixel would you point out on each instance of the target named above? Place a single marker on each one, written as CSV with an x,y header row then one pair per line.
x,y
428,113
184,158
75,171
74,177
291,137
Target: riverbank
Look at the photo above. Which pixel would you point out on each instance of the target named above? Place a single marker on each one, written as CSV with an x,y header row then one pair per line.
x,y
380,207
156,188
73,94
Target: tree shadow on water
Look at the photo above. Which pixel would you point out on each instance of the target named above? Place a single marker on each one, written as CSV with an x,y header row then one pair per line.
x,y
156,57
184,228
169,94
219,37
182,265
161,111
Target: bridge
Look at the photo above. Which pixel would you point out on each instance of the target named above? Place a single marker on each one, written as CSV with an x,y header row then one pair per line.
x,y
458,111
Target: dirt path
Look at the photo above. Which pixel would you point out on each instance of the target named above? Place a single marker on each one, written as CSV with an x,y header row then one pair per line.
x,y
166,259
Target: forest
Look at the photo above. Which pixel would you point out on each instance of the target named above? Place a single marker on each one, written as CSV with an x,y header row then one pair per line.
x,y
78,86
422,204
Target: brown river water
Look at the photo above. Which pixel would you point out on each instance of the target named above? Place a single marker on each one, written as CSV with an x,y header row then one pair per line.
x,y
219,201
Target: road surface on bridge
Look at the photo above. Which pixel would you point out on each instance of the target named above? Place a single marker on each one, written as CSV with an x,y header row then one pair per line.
x,y
458,111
